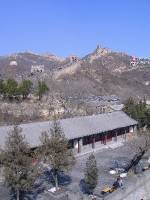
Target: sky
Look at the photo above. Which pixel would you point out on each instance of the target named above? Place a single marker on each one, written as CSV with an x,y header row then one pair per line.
x,y
74,27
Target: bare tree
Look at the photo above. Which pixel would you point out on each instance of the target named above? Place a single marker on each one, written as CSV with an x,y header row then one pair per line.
x,y
140,146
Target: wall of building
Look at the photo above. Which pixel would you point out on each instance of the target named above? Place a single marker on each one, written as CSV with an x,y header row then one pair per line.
x,y
128,134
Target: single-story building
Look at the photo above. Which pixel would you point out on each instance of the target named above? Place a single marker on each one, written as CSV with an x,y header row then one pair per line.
x,y
84,133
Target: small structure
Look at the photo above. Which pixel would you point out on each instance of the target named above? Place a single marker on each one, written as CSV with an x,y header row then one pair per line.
x,y
73,58
84,133
134,61
102,50
117,107
13,63
147,83
148,103
37,69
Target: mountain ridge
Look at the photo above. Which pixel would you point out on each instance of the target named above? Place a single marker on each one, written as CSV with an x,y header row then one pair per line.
x,y
101,72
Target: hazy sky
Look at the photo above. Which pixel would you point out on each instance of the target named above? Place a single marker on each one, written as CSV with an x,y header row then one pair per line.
x,y
65,27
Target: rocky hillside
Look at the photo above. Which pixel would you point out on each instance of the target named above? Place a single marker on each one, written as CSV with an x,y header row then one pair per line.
x,y
78,85
20,64
102,72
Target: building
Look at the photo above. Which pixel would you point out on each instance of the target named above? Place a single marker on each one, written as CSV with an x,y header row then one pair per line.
x,y
73,59
37,68
84,133
134,61
117,107
102,50
13,63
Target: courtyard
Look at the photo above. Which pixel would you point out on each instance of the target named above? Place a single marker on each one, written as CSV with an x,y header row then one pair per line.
x,y
107,159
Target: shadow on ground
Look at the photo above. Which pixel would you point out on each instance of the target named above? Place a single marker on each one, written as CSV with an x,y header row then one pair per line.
x,y
44,182
30,195
84,187
63,179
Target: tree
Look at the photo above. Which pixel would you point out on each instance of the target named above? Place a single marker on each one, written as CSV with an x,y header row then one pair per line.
x,y
91,173
25,88
140,146
138,111
129,107
55,151
19,172
11,88
41,89
1,87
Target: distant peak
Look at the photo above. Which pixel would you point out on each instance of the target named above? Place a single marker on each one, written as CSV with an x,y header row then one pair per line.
x,y
101,50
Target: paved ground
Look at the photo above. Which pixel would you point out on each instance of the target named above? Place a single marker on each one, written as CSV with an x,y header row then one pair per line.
x,y
4,195
106,159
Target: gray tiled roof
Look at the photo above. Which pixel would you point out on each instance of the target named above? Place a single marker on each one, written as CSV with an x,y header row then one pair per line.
x,y
73,127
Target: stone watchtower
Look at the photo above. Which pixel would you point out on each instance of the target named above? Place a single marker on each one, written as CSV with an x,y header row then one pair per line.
x,y
101,50
37,69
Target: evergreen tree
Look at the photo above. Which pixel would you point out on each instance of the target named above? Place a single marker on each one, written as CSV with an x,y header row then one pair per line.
x,y
129,107
11,88
91,173
138,111
41,89
1,87
55,151
19,171
25,88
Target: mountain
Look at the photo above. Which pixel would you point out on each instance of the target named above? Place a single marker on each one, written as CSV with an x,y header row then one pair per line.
x,y
102,72
18,64
105,72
